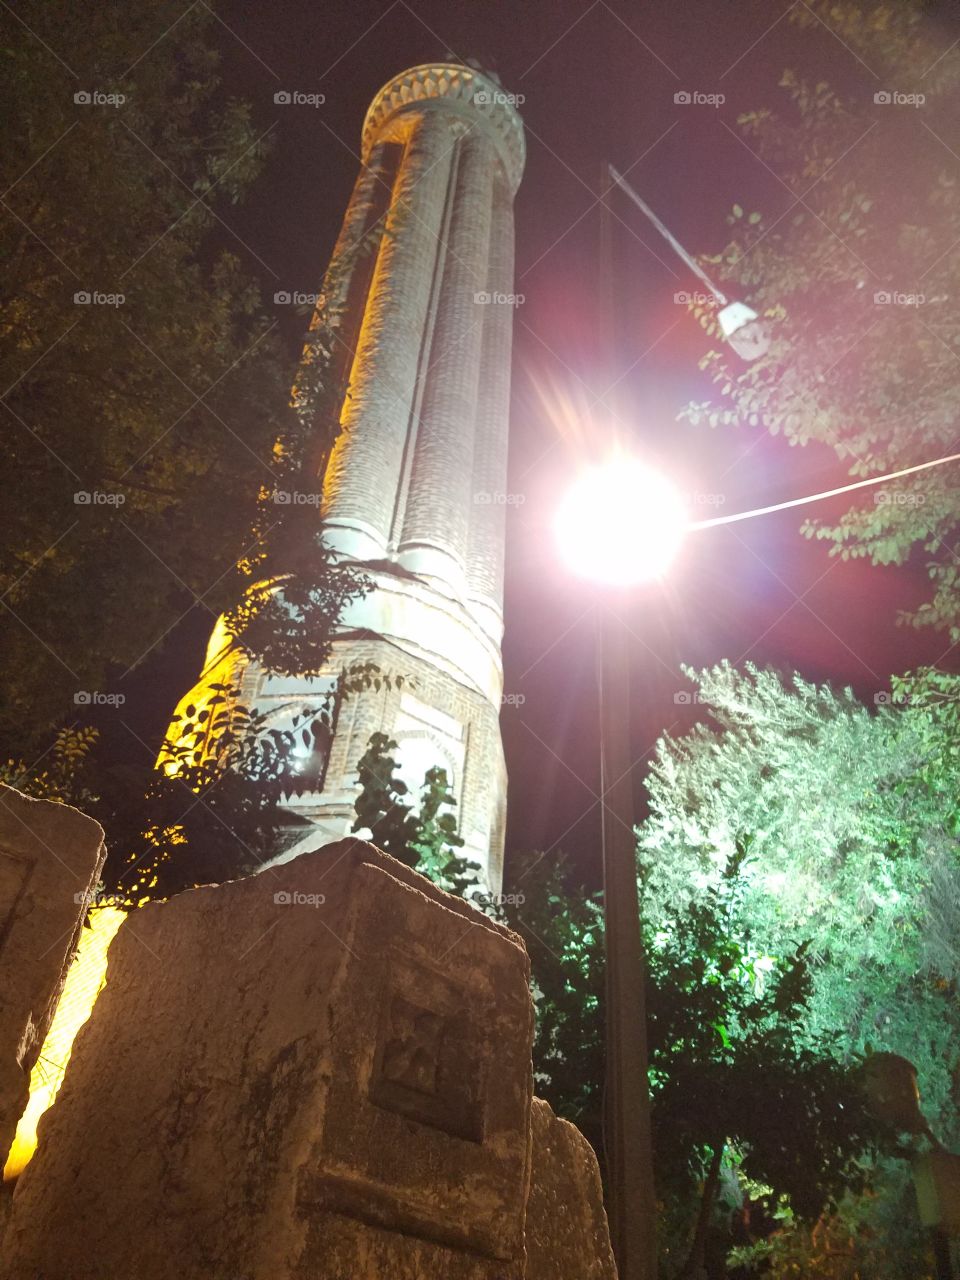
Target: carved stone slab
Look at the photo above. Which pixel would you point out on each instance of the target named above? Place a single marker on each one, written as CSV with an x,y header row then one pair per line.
x,y
320,1071
50,859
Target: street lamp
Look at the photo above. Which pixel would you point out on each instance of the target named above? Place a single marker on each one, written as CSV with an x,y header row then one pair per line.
x,y
740,325
619,525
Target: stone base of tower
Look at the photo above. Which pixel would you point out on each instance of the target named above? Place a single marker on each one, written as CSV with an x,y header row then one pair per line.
x,y
439,699
435,720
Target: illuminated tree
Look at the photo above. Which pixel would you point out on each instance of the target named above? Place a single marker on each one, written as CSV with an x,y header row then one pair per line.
x,y
856,268
855,847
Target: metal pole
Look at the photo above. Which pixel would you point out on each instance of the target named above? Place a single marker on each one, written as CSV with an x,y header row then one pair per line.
x,y
627,1133
632,1201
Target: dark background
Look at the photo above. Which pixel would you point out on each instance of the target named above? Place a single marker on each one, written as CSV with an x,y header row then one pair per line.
x,y
598,82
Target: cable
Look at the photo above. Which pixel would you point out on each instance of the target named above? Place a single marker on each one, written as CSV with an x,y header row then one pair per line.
x,y
818,497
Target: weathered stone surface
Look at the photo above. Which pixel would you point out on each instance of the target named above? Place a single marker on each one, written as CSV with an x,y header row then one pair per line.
x,y
567,1236
50,859
320,1071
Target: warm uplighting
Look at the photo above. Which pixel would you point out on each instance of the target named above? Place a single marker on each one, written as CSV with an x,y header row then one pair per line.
x,y
85,979
620,523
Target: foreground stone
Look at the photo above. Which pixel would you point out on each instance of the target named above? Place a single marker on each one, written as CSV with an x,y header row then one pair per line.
x,y
567,1236
322,1071
50,861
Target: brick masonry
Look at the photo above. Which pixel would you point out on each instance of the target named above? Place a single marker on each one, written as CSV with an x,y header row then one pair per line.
x,y
415,486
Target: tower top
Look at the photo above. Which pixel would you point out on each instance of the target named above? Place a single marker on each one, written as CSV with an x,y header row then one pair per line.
x,y
459,89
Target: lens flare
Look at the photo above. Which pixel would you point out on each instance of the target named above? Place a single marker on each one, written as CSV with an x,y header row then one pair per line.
x,y
620,523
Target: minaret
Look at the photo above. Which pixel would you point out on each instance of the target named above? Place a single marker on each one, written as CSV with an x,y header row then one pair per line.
x,y
415,487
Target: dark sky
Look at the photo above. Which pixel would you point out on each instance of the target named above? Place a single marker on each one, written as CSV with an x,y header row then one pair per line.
x,y
599,82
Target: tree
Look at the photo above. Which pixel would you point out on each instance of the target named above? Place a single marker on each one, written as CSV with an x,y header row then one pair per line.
x,y
561,921
855,275
216,810
424,837
853,818
740,1086
144,387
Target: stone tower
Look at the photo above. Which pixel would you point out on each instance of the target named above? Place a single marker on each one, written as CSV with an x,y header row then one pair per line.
x,y
415,488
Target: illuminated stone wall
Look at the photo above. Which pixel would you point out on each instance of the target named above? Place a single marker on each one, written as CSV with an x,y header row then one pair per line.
x,y
50,861
416,482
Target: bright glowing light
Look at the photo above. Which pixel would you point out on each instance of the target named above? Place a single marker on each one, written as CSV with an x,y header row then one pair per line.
x,y
85,979
620,523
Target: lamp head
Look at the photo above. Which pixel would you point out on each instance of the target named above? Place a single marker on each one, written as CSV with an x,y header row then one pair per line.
x,y
620,523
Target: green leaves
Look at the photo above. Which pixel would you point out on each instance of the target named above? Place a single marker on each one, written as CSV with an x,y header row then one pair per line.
x,y
847,263
842,908
423,836
167,401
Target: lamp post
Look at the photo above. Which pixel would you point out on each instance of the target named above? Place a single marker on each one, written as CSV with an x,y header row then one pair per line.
x,y
619,525
626,1114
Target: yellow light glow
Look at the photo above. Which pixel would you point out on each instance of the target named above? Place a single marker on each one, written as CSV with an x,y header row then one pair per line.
x,y
620,523
85,979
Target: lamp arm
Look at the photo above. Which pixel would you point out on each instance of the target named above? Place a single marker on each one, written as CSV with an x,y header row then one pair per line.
x,y
670,238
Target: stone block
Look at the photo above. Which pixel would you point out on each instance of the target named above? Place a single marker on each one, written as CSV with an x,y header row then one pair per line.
x,y
319,1071
50,860
567,1236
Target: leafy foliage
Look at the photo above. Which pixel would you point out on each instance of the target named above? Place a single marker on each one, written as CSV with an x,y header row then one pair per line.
x,y
561,922
167,402
853,819
59,774
424,837
738,1081
856,277
148,433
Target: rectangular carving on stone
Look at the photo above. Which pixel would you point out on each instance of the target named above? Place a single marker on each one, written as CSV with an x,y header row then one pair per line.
x,y
14,874
428,1066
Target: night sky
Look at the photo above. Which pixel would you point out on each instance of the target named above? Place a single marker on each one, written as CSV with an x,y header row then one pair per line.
x,y
598,82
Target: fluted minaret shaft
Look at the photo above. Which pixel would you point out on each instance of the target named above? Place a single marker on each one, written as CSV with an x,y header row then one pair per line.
x,y
414,488
361,481
437,515
488,506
